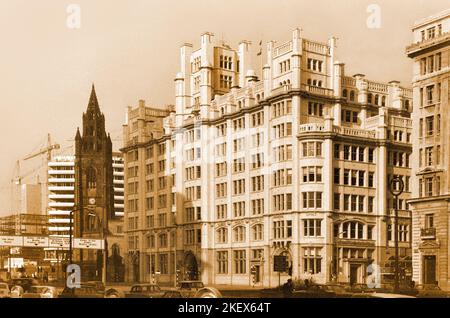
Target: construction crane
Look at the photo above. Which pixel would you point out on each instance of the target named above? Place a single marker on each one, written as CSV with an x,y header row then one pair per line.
x,y
47,150
16,182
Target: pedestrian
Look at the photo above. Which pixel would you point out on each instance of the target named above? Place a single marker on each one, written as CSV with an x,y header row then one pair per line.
x,y
288,288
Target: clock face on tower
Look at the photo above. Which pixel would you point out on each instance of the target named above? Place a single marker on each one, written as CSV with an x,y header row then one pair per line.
x,y
92,201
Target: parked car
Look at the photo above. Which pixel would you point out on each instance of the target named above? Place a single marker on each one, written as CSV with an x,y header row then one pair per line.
x,y
25,283
144,291
431,291
173,294
97,285
314,291
4,290
114,293
41,292
380,295
84,291
189,288
336,289
208,292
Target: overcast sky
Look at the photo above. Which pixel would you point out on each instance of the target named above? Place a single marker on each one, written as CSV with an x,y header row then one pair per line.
x,y
130,50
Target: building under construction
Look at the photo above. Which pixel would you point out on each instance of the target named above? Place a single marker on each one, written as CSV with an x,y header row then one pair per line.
x,y
23,260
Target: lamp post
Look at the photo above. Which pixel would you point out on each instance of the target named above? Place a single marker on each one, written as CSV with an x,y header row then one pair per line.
x,y
396,187
105,248
71,234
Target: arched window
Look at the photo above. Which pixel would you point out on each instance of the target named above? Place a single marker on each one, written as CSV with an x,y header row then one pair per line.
x,y
314,83
257,232
377,98
383,101
309,81
115,250
352,96
239,234
353,230
344,93
91,178
222,235
258,97
319,84
369,98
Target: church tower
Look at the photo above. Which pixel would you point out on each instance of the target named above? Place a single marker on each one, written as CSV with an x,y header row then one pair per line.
x,y
94,192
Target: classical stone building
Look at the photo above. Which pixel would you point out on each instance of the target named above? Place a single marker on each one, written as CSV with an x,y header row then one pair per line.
x,y
94,200
430,53
243,169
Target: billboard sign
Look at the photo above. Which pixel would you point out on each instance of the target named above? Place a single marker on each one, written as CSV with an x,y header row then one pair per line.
x,y
59,241
6,240
88,243
35,241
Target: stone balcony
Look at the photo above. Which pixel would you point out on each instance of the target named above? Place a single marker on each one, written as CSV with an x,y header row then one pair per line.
x,y
414,49
428,233
355,132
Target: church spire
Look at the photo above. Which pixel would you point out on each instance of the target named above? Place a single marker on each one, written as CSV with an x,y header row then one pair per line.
x,y
93,102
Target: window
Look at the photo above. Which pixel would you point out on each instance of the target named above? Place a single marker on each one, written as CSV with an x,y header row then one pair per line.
x,y
312,260
353,230
222,235
315,109
221,190
429,186
312,149
337,201
279,229
310,174
429,125
370,204
239,187
312,200
371,178
225,81
239,234
257,119
239,209
312,227
430,93
337,175
429,221
281,108
91,178
429,156
222,262
163,264
282,202
221,211
337,149
257,232
240,262
257,206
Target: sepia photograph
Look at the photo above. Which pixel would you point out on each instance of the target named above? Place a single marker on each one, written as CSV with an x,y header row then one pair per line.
x,y
251,151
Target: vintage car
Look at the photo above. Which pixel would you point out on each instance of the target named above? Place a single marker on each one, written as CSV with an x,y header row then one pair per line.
x,y
144,291
41,292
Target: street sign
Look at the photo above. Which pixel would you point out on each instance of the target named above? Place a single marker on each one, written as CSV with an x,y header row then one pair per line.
x,y
62,242
35,241
88,243
280,263
11,240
